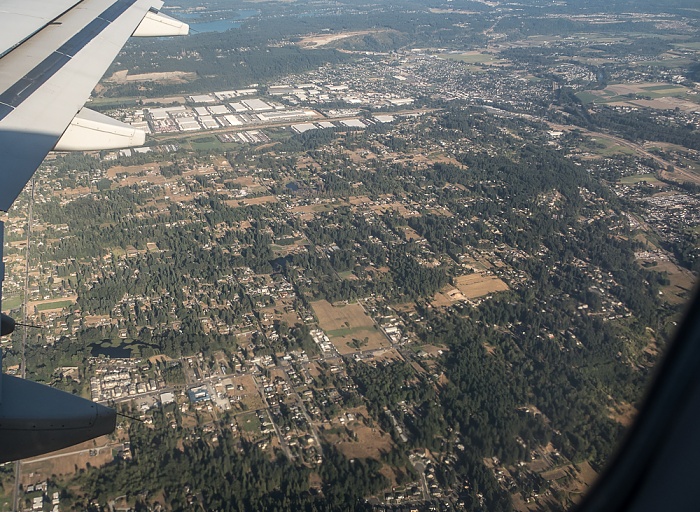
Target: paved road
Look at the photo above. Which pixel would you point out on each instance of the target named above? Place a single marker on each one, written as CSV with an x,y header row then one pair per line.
x,y
283,442
302,407
420,468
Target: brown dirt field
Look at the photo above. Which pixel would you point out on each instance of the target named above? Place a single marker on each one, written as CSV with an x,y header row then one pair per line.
x,y
343,323
123,76
433,350
92,321
623,414
291,318
447,296
478,285
340,317
388,355
134,180
200,171
65,461
554,474
246,181
440,300
443,380
317,41
359,156
258,200
77,191
171,76
411,234
249,395
359,200
370,442
160,358
314,370
585,475
375,340
476,265
189,421
581,476
113,172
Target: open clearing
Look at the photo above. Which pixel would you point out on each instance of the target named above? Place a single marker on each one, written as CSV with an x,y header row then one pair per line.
x,y
649,95
447,296
96,453
682,282
258,200
123,76
249,396
472,58
623,413
345,323
473,286
356,440
639,178
54,304
317,41
121,170
395,206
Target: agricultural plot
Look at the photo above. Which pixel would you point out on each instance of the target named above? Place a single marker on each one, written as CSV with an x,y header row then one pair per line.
x,y
349,327
473,286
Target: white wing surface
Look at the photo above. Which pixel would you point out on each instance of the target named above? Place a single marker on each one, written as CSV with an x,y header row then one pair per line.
x,y
52,53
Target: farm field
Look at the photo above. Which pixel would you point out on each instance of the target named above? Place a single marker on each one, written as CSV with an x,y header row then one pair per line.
x,y
473,286
349,327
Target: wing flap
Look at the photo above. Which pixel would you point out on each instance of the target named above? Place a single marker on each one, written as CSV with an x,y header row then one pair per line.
x,y
90,131
45,81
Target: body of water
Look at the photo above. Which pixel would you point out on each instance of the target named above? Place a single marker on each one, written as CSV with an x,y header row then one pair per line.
x,y
198,24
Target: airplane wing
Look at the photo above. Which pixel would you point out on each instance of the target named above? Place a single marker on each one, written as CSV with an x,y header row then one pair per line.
x,y
52,53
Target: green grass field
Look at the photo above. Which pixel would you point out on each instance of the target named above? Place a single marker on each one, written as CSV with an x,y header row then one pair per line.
x,y
694,45
637,178
605,147
353,331
652,92
587,97
9,303
249,423
54,305
105,103
661,87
